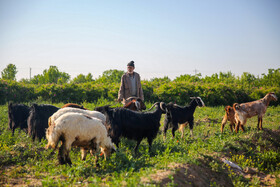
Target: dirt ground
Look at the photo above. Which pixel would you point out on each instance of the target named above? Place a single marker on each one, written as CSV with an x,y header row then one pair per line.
x,y
188,175
194,175
202,175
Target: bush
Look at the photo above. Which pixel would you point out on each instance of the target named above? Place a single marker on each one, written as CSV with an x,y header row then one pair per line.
x,y
217,90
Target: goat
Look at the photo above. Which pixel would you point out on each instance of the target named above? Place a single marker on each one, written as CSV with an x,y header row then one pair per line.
x,y
73,105
38,120
182,115
76,129
121,122
134,103
229,116
250,109
18,114
62,111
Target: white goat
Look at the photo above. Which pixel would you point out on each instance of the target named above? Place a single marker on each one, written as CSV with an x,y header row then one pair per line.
x,y
90,113
75,129
250,109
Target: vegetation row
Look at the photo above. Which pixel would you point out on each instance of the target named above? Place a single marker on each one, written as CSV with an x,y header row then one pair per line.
x,y
219,89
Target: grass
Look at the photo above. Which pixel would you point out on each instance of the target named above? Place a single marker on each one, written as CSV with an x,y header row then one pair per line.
x,y
24,162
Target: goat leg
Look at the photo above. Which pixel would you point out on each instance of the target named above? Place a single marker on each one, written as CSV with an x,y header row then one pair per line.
x,y
68,160
83,153
136,147
258,123
242,128
230,125
96,161
150,141
175,127
237,127
182,127
61,155
222,127
191,127
261,120
173,132
224,121
165,130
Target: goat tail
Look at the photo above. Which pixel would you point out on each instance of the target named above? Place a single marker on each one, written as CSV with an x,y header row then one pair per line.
x,y
236,106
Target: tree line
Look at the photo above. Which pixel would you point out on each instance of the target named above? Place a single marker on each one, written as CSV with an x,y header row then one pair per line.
x,y
218,89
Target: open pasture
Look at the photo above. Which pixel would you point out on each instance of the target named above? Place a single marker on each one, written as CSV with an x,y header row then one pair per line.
x,y
190,161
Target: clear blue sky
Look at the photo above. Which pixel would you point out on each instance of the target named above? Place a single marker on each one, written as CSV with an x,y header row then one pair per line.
x,y
164,38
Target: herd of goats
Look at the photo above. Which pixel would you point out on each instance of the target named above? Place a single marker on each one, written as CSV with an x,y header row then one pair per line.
x,y
97,130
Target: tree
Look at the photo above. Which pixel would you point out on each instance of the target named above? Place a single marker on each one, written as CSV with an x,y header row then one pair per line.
x,y
248,79
82,79
9,72
189,78
52,75
111,76
272,78
160,81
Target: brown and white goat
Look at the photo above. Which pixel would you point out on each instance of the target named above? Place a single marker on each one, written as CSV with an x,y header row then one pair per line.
x,y
134,103
229,116
250,109
75,129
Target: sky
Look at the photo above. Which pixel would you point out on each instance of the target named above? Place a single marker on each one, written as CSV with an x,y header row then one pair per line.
x,y
163,37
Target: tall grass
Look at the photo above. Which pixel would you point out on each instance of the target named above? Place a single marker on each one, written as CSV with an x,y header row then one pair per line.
x,y
27,162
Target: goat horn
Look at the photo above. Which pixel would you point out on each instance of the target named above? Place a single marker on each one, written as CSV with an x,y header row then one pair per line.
x,y
153,106
131,98
162,106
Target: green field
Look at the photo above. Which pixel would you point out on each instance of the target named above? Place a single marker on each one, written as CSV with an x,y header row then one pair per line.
x,y
193,161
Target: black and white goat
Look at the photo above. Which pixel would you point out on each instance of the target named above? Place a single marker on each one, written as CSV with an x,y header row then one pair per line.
x,y
181,115
121,122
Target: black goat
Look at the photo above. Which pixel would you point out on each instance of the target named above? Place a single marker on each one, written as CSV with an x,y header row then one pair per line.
x,y
38,120
18,114
122,122
182,115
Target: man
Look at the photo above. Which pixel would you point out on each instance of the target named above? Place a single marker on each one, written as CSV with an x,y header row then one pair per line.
x,y
130,84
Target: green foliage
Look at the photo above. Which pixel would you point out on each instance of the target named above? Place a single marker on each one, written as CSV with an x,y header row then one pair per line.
x,y
52,75
272,78
188,78
111,76
82,79
9,73
218,89
16,92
